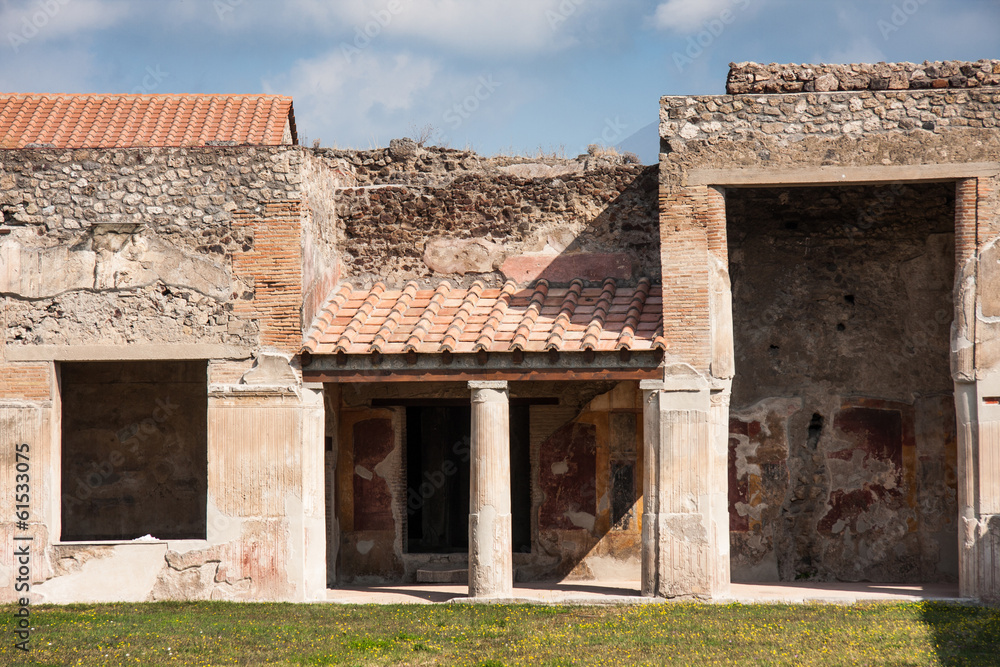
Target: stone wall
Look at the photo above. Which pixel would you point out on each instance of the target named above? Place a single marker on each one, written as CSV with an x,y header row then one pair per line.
x,y
413,213
162,253
748,77
856,481
137,245
843,437
688,123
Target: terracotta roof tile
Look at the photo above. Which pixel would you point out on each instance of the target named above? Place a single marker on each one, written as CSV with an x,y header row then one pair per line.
x,y
465,321
123,121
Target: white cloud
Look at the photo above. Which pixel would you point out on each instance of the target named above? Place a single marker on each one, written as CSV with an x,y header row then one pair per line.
x,y
355,100
477,27
378,96
687,15
23,23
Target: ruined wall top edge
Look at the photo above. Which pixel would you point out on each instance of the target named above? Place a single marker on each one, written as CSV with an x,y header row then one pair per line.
x,y
793,117
752,78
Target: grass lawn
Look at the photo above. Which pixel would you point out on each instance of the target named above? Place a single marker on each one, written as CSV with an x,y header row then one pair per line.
x,y
218,633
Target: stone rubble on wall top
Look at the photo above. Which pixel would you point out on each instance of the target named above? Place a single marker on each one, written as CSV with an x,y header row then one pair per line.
x,y
751,78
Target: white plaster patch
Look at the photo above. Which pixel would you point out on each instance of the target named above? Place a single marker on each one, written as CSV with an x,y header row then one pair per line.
x,y
364,546
581,519
221,528
752,511
132,568
560,468
607,568
362,472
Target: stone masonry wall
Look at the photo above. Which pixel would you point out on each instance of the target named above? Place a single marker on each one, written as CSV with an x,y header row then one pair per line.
x,y
688,122
748,77
413,213
138,245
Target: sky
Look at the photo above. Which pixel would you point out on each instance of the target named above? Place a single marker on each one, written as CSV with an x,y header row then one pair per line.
x,y
516,77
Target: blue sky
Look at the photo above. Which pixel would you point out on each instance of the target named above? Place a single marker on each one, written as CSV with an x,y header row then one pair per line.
x,y
499,76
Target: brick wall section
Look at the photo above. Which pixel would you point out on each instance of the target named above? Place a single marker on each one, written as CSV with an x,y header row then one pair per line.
x,y
274,265
712,215
684,250
965,219
25,382
227,371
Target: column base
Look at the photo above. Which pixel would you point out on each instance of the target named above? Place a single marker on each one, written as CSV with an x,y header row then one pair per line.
x,y
491,561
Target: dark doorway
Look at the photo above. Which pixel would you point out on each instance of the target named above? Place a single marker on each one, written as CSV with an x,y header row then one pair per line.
x,y
437,478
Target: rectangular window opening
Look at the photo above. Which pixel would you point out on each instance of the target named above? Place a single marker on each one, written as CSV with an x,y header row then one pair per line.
x,y
134,450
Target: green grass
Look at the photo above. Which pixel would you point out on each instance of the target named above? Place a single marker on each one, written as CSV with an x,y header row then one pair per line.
x,y
218,633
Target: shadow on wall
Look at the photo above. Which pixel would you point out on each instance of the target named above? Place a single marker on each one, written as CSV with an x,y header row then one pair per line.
x,y
454,215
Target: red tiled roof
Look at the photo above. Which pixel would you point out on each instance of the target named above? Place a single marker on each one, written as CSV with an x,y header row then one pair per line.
x,y
536,319
124,121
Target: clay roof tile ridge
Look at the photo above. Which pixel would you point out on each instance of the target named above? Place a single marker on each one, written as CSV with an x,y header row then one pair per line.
x,y
527,323
395,315
427,318
485,339
457,326
592,335
360,317
555,338
635,308
326,314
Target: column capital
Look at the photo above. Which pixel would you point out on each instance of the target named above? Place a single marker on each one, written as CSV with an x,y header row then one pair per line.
x,y
487,384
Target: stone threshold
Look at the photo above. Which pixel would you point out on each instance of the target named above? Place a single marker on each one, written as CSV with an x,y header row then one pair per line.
x,y
627,592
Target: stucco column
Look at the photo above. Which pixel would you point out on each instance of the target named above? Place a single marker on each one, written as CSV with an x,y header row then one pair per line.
x,y
491,566
978,408
684,492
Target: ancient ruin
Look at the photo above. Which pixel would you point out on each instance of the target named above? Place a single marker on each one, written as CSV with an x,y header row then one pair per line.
x,y
234,367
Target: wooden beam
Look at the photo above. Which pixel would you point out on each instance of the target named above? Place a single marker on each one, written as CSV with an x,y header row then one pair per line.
x,y
442,375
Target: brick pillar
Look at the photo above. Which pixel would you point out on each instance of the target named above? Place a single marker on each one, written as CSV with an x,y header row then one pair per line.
x,y
685,538
684,259
491,567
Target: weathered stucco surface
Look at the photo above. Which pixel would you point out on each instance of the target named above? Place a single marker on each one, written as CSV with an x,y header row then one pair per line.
x,y
837,470
843,443
133,246
576,445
